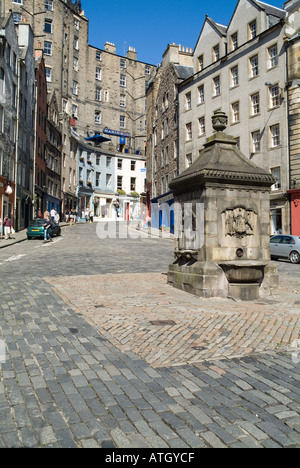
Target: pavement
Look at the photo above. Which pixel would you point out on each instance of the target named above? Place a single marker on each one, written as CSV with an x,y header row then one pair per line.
x,y
98,351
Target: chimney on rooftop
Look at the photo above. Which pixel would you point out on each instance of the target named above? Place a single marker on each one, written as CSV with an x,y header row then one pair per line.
x,y
131,54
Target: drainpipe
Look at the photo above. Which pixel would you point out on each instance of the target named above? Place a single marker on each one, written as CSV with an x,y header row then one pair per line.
x,y
34,150
16,143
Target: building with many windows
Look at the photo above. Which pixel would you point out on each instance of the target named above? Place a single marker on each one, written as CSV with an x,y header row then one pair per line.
x,y
98,91
163,132
241,69
110,183
17,121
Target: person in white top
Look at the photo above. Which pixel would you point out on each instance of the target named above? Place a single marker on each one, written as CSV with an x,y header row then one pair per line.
x,y
56,217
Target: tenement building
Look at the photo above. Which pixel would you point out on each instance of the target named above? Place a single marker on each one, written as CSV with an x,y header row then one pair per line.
x,y
97,90
17,121
241,69
162,132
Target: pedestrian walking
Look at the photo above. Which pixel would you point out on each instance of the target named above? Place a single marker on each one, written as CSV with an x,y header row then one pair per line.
x,y
47,229
7,227
56,217
52,214
46,213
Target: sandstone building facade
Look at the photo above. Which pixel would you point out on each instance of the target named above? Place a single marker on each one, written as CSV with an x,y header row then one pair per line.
x,y
97,90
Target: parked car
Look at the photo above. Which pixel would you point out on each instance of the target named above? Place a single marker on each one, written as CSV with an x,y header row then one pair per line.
x,y
285,246
36,229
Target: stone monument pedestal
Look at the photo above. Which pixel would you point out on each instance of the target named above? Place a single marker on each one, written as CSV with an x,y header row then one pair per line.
x,y
222,217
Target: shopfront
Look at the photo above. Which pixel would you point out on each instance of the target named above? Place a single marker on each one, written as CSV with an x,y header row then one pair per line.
x,y
295,211
6,202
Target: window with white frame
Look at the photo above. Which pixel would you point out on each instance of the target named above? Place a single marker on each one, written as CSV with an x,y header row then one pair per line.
x,y
255,141
122,121
98,93
75,64
255,104
48,72
234,76
74,111
19,2
216,53
274,93
175,149
188,101
75,88
123,81
17,17
97,117
147,70
98,55
276,173
201,96
189,160
76,24
123,100
49,5
272,56
76,43
120,183
122,63
235,112
189,131
47,48
200,62
216,86
201,126
234,41
98,73
275,135
252,30
132,184
254,66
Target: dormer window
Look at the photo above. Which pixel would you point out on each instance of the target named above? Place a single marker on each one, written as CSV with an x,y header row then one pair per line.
x,y
252,30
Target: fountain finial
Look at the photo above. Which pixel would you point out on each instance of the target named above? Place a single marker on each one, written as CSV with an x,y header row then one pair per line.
x,y
219,121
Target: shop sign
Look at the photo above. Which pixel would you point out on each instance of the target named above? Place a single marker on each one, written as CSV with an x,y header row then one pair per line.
x,y
109,131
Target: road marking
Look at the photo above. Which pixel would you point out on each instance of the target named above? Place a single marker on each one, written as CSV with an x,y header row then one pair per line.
x,y
51,243
15,257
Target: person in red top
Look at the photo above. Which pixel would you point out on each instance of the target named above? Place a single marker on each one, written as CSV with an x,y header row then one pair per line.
x,y
7,227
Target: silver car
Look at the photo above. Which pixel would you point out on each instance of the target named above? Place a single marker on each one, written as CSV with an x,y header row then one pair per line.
x,y
285,246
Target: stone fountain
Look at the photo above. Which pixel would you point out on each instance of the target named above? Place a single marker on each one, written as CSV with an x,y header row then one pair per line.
x,y
222,217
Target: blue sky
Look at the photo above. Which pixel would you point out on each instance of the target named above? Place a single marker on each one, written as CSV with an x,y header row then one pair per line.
x,y
150,26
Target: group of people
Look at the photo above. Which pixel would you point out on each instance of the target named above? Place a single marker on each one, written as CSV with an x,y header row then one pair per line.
x,y
74,216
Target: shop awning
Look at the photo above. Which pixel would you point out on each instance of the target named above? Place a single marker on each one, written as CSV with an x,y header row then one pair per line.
x,y
97,139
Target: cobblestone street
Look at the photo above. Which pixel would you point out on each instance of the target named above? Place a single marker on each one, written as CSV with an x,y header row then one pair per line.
x,y
101,352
